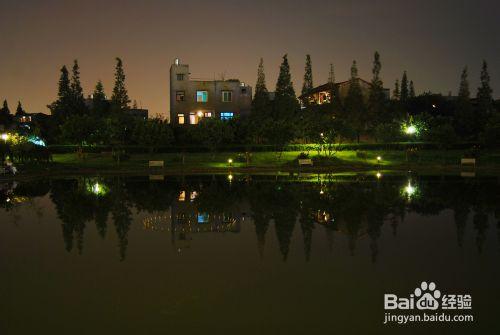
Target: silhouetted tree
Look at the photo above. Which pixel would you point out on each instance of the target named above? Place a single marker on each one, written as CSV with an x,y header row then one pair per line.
x,y
77,100
60,109
405,93
119,99
285,102
376,99
308,76
19,109
355,112
396,94
412,90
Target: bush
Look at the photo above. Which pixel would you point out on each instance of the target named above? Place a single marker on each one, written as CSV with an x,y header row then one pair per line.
x,y
388,132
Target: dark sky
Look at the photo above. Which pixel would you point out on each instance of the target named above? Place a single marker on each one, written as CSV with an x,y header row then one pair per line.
x,y
432,40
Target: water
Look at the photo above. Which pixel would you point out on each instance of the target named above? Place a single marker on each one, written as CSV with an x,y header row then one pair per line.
x,y
247,255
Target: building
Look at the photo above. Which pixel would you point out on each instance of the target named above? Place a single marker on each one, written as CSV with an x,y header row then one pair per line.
x,y
193,99
322,94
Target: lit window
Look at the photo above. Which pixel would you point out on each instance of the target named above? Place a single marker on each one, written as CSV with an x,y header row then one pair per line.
x,y
179,96
180,76
193,195
207,114
226,115
192,118
182,196
201,96
227,96
202,218
180,118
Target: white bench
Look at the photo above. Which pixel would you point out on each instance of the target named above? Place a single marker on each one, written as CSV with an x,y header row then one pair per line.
x,y
306,161
156,164
468,161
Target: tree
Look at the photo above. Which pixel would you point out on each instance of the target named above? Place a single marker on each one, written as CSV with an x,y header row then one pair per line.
x,y
19,109
286,104
464,120
260,102
484,92
308,77
99,101
405,94
212,132
396,95
354,107
376,99
119,99
77,100
412,90
152,133
60,109
5,116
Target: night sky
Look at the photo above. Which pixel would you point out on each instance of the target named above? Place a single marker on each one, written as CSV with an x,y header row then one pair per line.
x,y
432,40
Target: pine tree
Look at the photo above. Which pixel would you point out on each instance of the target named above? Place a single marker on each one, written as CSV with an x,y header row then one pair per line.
x,y
19,109
331,75
99,101
396,94
404,88
285,100
308,77
354,104
5,108
334,94
463,90
412,90
119,99
5,116
376,99
60,108
484,92
78,106
260,102
465,122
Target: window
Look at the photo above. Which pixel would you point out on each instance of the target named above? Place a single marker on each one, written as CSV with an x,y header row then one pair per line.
x,y
227,96
201,96
179,96
226,115
180,119
180,76
207,114
192,118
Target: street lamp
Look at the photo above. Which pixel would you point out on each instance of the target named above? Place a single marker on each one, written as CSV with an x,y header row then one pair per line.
x,y
5,137
230,161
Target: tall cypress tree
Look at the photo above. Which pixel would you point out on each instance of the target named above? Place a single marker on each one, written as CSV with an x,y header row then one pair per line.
x,y
354,105
484,92
99,99
5,116
396,94
260,102
308,77
60,108
286,104
19,109
464,121
404,88
376,99
77,99
120,99
412,90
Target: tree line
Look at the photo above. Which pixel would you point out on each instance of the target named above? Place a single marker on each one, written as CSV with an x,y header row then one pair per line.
x,y
279,118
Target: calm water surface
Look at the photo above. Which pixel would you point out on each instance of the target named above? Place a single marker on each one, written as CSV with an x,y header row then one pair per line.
x,y
247,255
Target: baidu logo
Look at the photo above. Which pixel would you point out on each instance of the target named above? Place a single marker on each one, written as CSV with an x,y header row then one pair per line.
x,y
427,297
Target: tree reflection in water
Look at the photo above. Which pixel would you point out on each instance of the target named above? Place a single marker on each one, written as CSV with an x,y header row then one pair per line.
x,y
357,207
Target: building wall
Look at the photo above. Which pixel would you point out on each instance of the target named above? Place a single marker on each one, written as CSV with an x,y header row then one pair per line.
x,y
192,110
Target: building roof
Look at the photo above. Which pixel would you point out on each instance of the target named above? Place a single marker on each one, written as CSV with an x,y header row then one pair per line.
x,y
328,86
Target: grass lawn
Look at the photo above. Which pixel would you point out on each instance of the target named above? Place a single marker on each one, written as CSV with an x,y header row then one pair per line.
x,y
269,160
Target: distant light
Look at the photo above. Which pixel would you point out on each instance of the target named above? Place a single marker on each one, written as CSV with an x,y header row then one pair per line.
x,y
321,192
177,61
230,161
411,130
409,190
433,106
200,114
5,137
379,175
379,158
230,177
96,188
321,134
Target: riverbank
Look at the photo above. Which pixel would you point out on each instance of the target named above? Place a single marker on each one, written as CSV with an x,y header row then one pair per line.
x,y
429,161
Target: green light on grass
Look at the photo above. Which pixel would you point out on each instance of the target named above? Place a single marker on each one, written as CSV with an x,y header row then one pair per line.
x,y
97,189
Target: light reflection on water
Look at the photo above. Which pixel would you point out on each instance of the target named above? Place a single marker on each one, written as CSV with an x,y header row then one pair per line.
x,y
256,254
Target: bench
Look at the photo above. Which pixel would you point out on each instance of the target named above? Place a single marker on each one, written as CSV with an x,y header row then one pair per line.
x,y
306,161
468,161
156,164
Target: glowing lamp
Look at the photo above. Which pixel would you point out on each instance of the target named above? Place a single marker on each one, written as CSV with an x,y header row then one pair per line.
x,y
200,114
411,130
